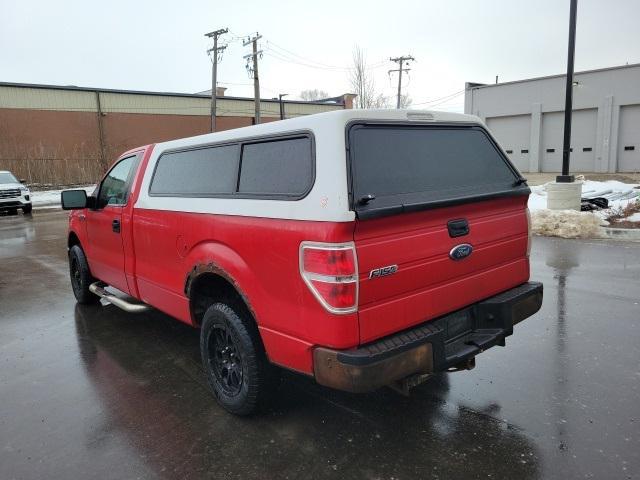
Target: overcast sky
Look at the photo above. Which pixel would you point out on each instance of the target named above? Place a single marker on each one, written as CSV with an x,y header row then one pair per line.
x,y
160,45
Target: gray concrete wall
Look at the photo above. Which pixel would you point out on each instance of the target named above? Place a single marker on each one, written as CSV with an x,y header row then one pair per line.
x,y
606,119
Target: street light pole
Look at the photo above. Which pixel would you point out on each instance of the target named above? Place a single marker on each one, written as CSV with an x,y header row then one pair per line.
x,y
566,193
282,104
568,105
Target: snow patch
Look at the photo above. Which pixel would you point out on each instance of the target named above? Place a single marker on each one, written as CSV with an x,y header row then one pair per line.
x,y
633,218
566,224
51,198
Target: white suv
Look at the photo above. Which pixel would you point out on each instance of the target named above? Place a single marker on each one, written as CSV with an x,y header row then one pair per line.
x,y
13,194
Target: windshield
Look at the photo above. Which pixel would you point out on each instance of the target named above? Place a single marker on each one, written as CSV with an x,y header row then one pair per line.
x,y
408,167
6,177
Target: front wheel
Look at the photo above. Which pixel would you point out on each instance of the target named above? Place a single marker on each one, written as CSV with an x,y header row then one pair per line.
x,y
238,371
26,210
81,276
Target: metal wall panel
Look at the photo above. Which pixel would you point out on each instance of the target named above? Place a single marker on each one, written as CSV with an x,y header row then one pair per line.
x,y
47,99
584,129
629,137
513,134
552,128
583,137
123,102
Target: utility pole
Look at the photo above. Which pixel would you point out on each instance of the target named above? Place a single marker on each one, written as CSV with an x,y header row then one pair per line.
x,y
253,69
400,61
282,104
568,105
214,70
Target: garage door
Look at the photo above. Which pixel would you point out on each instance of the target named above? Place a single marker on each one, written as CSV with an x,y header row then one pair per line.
x,y
513,135
629,139
583,139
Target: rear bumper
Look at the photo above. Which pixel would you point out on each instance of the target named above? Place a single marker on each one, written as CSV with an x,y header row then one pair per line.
x,y
434,346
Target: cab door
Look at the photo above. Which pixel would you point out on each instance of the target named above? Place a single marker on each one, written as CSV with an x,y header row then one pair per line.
x,y
104,224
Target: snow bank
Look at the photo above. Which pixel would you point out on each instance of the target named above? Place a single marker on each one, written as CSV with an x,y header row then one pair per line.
x,y
573,224
566,224
51,198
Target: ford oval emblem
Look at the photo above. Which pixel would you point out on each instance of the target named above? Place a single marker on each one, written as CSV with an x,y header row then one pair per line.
x,y
460,251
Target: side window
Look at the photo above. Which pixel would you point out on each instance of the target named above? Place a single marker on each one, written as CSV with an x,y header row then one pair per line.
x,y
206,171
277,167
114,189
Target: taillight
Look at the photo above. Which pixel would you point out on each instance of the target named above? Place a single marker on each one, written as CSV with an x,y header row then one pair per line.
x,y
330,270
528,232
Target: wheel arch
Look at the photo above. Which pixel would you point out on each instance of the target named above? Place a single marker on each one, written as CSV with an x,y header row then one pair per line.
x,y
219,271
208,284
73,239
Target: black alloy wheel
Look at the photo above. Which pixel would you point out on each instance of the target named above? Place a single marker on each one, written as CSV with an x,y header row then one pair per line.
x,y
225,360
234,359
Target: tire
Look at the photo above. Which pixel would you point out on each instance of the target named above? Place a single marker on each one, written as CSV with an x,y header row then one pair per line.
x,y
233,357
81,276
12,211
27,210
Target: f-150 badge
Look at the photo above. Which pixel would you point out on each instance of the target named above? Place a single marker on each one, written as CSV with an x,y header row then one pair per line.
x,y
383,271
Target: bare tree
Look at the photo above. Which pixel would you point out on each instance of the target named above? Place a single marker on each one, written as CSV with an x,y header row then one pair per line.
x,y
362,81
405,100
364,86
381,102
312,95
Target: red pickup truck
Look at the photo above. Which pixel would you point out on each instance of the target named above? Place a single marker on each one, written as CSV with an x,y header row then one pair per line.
x,y
362,248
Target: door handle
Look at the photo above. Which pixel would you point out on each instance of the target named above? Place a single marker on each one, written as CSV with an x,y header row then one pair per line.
x,y
115,226
458,228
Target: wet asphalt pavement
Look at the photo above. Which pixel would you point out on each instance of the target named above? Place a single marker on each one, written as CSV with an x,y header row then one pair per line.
x,y
94,392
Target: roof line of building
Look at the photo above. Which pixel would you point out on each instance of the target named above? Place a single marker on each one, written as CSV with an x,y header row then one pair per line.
x,y
164,94
486,85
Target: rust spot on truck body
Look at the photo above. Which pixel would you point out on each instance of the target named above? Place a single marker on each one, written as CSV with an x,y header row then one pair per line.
x,y
213,268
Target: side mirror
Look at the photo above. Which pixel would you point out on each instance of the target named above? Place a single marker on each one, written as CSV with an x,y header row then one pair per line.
x,y
73,199
22,180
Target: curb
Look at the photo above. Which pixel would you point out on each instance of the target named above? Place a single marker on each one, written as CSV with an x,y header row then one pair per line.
x,y
630,234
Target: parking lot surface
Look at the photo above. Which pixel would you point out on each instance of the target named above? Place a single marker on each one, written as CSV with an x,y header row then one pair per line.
x,y
94,392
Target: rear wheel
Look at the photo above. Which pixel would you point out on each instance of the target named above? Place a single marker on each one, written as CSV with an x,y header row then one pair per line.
x,y
81,276
237,368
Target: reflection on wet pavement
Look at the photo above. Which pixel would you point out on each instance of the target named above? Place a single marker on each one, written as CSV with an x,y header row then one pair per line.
x,y
93,392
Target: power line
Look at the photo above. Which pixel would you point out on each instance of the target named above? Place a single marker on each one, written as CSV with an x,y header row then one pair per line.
x,y
311,61
446,97
281,53
440,103
236,36
305,59
279,56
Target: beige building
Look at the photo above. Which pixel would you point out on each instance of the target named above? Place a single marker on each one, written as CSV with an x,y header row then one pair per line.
x,y
66,134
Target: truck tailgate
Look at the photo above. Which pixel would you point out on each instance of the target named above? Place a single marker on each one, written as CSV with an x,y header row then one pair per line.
x,y
428,283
